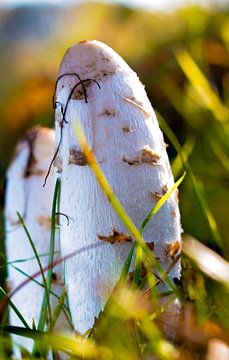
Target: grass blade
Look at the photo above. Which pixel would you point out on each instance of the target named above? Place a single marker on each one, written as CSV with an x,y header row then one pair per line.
x,y
127,264
202,86
161,202
206,212
139,253
39,284
85,349
38,261
13,307
58,309
46,301
177,164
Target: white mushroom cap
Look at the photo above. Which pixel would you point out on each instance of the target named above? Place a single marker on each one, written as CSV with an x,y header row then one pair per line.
x,y
25,194
122,131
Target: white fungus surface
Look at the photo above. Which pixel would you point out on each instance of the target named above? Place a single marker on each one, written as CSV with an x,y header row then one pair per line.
x,y
122,130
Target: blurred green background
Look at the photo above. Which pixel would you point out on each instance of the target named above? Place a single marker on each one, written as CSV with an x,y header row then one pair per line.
x,y
182,58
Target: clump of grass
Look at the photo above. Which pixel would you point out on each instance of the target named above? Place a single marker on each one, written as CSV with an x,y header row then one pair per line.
x,y
130,325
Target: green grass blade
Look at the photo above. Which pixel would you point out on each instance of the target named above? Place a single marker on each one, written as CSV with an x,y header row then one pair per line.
x,y
42,319
162,308
85,349
221,156
209,97
127,264
159,204
38,261
177,164
206,212
19,261
13,307
39,284
58,309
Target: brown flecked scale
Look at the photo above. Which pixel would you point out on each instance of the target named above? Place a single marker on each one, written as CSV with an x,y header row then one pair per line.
x,y
45,221
106,112
146,156
138,105
115,237
77,157
126,129
155,195
165,189
150,245
56,279
177,195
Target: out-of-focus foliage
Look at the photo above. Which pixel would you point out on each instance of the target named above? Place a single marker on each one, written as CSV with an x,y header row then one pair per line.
x,y
182,58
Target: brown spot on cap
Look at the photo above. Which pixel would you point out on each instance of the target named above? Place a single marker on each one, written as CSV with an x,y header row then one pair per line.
x,y
126,129
150,245
145,156
56,279
132,100
177,195
108,112
155,195
77,157
45,221
83,41
165,189
115,237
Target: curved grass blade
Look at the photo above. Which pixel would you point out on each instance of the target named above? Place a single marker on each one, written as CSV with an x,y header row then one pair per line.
x,y
206,212
19,261
177,164
40,284
14,308
161,202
